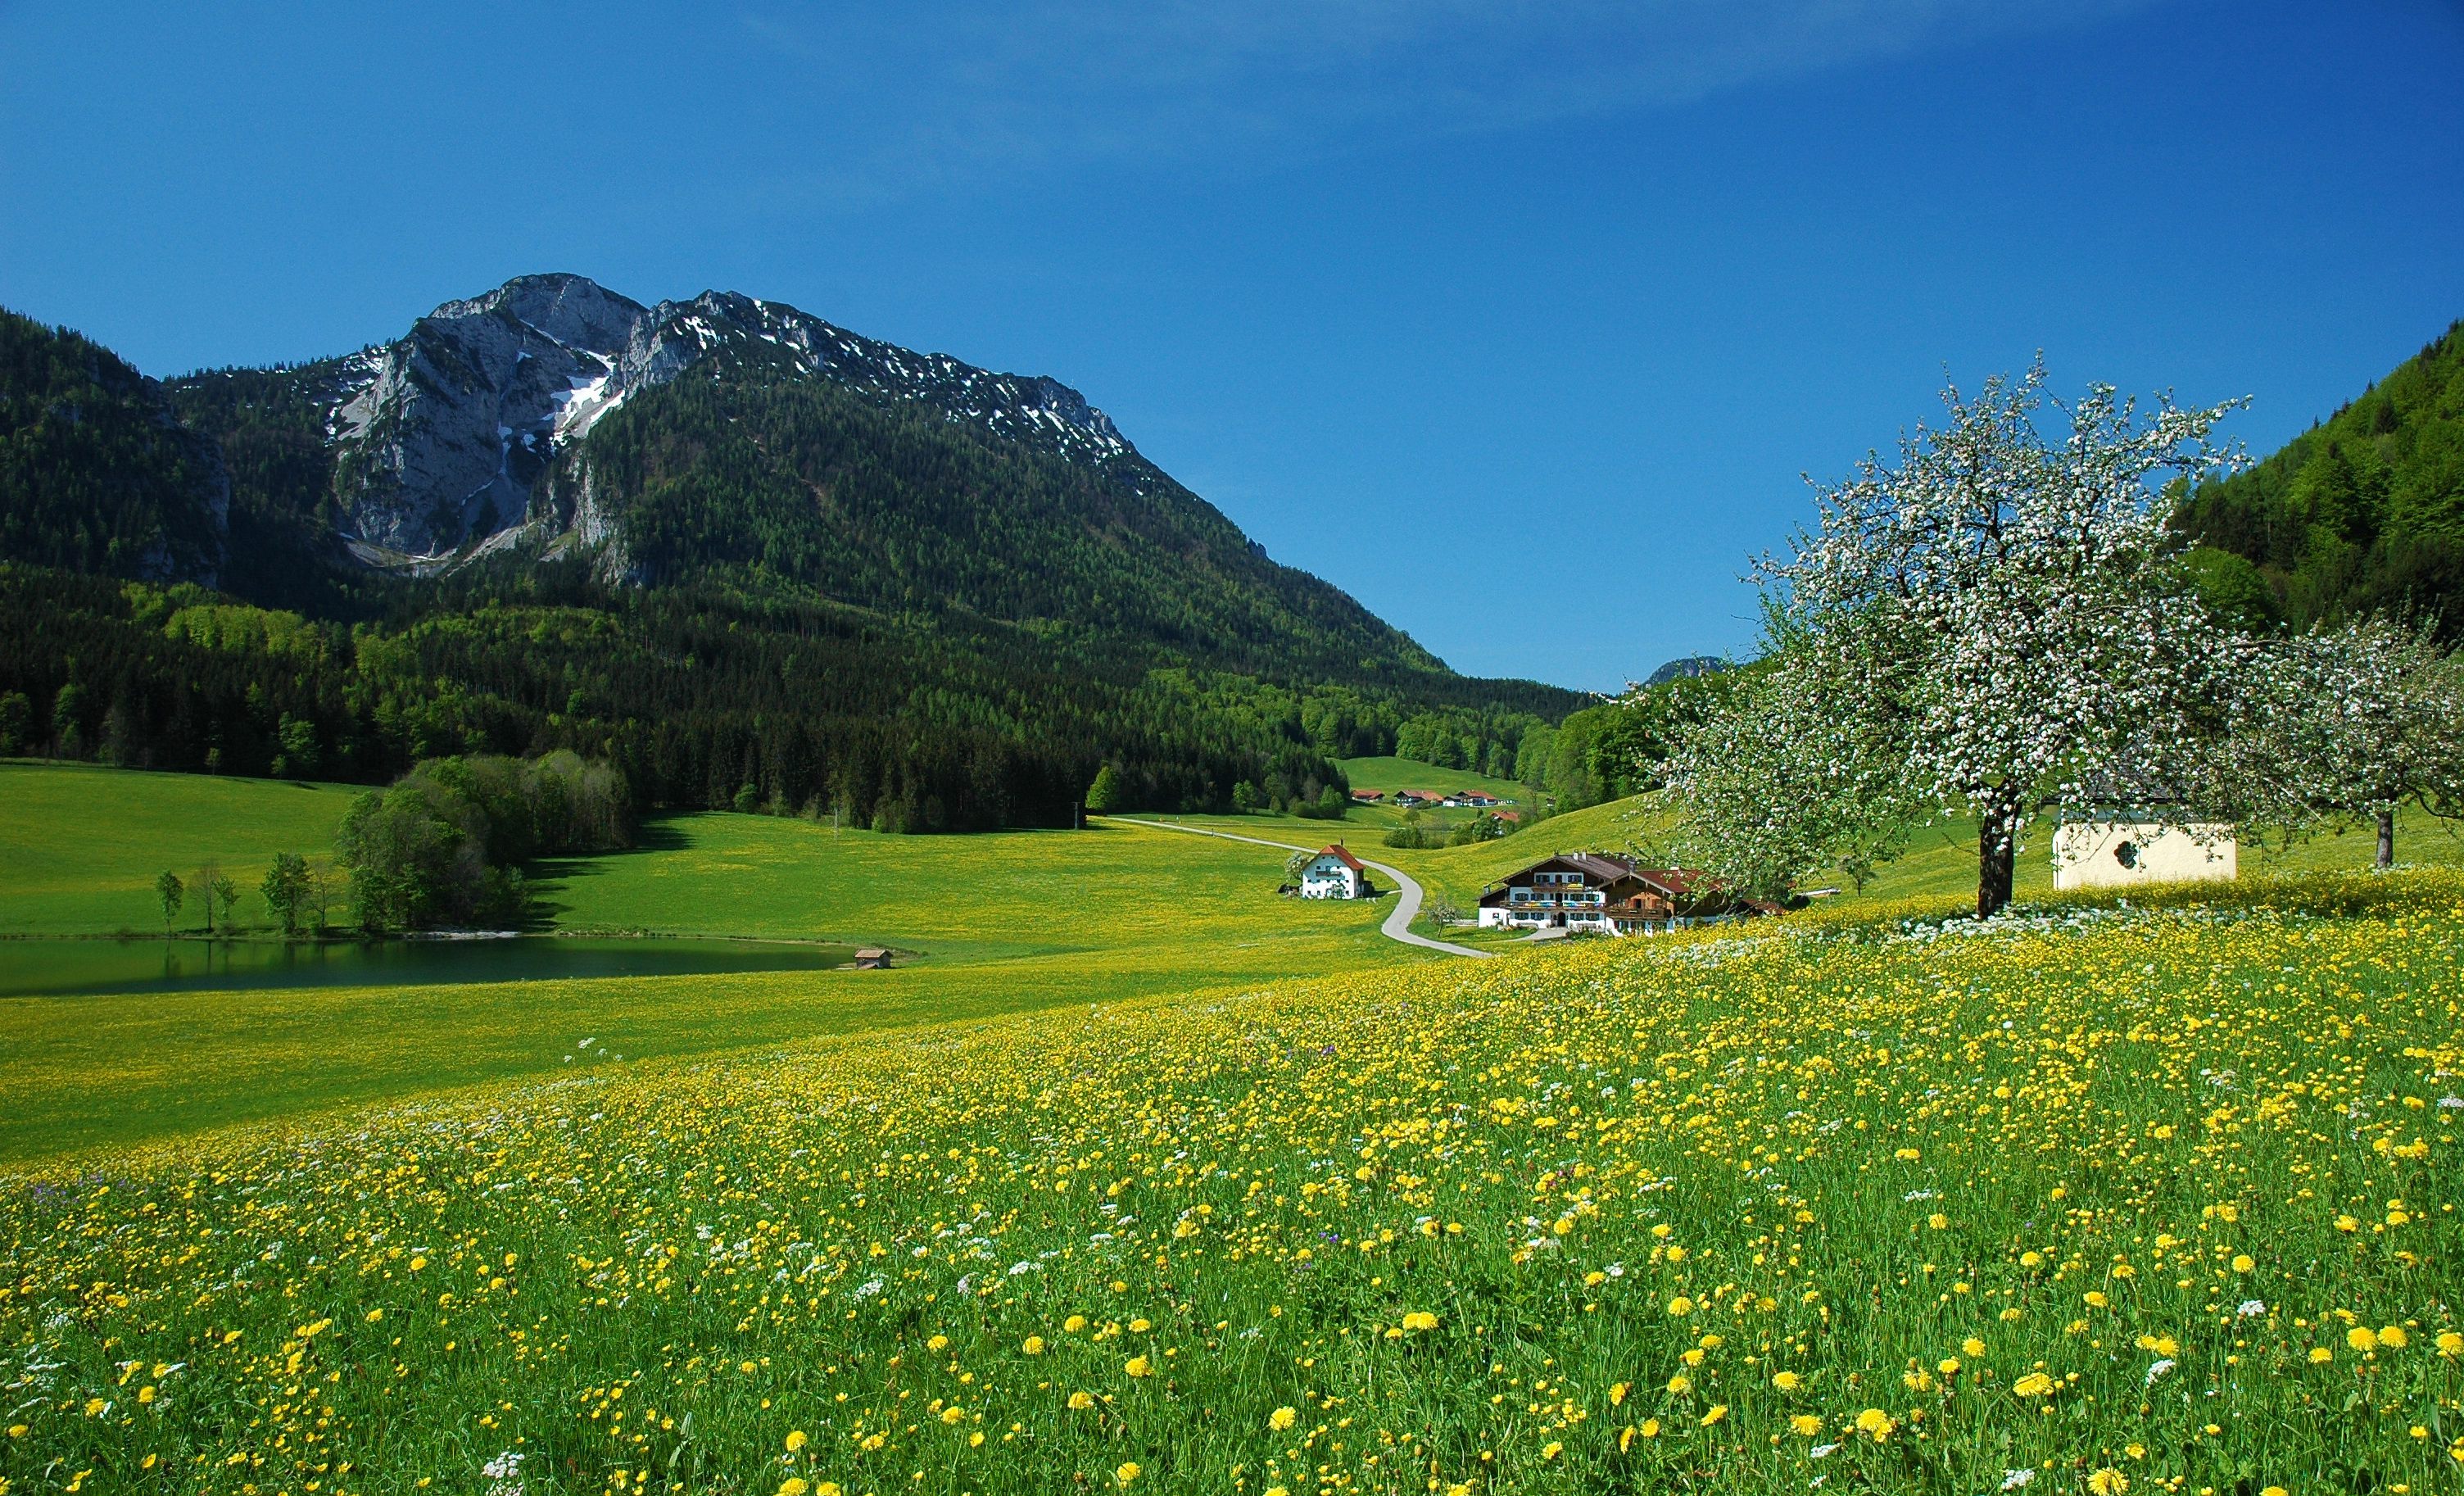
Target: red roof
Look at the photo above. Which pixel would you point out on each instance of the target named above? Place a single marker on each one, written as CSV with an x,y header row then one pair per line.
x,y
1337,850
1369,794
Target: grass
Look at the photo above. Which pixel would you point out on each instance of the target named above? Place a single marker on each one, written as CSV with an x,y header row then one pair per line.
x,y
2158,1201
1393,773
81,847
1000,924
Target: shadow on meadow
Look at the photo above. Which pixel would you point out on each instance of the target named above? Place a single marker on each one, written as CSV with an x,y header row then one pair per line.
x,y
549,877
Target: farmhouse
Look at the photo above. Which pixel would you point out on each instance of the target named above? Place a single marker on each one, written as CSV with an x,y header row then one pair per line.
x,y
1605,894
1472,799
1335,873
1366,797
1416,799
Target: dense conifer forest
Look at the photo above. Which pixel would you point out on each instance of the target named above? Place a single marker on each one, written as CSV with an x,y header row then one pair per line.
x,y
95,472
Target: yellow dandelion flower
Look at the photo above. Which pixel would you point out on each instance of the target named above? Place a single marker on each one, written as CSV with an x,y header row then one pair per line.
x,y
1616,1394
2361,1337
1650,1428
796,1439
1875,1424
1139,1365
2035,1384
1128,1471
1552,1450
1719,1411
1032,1345
1971,1348
1081,1401
2108,1482
1283,1418
2243,1262
792,1485
2450,1344
2321,1355
1806,1424
2393,1337
1788,1381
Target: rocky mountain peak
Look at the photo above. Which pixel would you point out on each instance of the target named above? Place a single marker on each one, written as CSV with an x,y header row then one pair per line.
x,y
443,438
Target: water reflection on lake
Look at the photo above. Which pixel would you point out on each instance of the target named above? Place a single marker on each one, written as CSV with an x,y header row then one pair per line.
x,y
41,967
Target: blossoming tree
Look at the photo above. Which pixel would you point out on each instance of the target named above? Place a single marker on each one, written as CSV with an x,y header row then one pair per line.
x,y
2354,722
1994,619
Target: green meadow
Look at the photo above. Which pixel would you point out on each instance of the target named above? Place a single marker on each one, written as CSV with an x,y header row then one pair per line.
x,y
1393,773
81,847
985,925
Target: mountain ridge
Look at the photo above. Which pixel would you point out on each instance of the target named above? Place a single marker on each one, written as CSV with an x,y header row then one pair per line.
x,y
477,437
750,559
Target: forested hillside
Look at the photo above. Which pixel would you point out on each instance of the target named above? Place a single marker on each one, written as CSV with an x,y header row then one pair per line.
x,y
95,472
2364,512
753,476
701,698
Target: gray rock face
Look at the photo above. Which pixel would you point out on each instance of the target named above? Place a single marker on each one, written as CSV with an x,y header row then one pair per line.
x,y
445,443
451,436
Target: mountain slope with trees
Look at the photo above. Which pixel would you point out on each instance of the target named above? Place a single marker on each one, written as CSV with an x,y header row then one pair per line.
x,y
768,564
2362,513
96,472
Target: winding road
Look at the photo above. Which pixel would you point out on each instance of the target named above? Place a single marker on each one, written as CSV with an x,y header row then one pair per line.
x,y
1398,923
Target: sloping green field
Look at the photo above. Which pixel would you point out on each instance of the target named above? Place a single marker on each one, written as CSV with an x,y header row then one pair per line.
x,y
81,847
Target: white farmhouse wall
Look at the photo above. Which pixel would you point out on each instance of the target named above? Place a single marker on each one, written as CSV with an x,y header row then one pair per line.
x,y
2104,854
1329,878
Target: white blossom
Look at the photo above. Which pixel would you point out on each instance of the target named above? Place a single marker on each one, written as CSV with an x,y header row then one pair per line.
x,y
1994,620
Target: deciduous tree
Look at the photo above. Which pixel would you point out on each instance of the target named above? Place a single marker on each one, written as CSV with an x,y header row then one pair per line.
x,y
2355,722
286,890
1991,619
170,890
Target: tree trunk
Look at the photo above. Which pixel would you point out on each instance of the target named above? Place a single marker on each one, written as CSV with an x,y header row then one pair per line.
x,y
1998,857
2386,836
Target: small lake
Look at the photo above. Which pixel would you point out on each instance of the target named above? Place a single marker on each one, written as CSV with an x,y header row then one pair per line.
x,y
57,968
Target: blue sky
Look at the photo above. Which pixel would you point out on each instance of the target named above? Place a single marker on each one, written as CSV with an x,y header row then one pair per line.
x,y
1517,321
